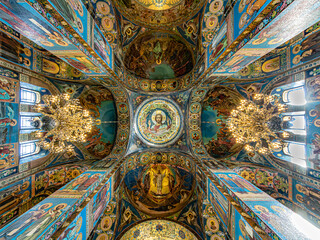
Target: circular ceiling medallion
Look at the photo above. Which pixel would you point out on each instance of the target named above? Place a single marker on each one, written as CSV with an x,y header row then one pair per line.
x,y
158,122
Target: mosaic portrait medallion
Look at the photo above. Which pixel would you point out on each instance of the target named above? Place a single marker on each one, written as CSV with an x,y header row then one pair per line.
x,y
158,122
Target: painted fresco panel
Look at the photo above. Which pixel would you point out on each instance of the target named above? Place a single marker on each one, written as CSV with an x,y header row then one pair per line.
x,y
244,12
76,229
15,51
287,25
214,229
37,220
9,90
239,228
218,201
31,56
270,212
101,200
31,190
106,224
105,19
212,20
23,18
216,109
307,49
100,102
165,198
313,130
97,206
266,179
218,45
313,87
14,194
283,221
9,122
274,34
77,59
9,156
76,14
306,196
241,187
79,186
102,47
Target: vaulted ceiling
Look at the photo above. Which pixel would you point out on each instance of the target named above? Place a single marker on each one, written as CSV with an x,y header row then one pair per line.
x,y
161,78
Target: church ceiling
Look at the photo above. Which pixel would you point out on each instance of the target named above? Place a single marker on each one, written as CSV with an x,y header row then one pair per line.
x,y
161,78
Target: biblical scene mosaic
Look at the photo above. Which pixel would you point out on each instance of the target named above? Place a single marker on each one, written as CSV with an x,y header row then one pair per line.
x,y
157,55
159,189
217,107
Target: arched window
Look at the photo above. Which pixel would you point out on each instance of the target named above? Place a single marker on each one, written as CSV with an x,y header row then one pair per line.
x,y
294,96
297,152
293,152
295,122
28,149
26,122
29,96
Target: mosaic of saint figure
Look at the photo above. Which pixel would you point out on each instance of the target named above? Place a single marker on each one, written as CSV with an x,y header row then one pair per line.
x,y
7,92
159,189
158,122
6,118
159,181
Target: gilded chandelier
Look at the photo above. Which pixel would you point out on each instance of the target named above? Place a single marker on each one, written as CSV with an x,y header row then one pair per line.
x,y
257,124
65,121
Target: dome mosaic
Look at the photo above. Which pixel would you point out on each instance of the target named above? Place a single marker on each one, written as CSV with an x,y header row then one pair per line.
x,y
158,56
159,4
158,229
158,13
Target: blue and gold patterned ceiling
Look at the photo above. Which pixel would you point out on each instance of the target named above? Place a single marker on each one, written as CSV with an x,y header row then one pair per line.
x,y
161,78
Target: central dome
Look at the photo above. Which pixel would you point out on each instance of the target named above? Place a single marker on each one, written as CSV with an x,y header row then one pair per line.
x,y
159,4
158,13
158,56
